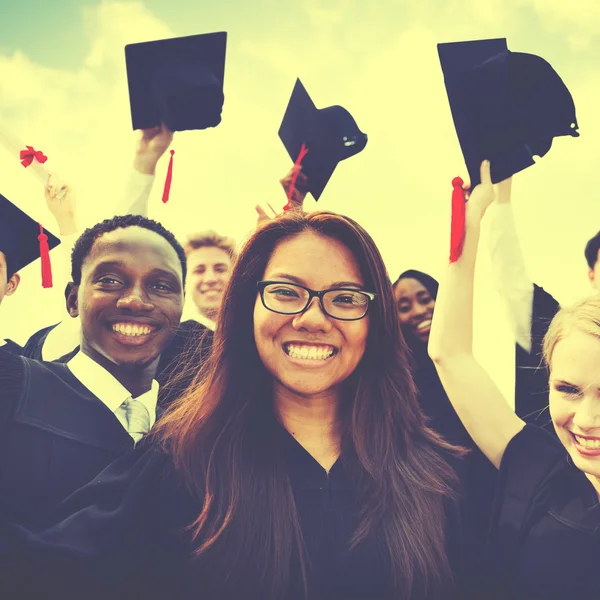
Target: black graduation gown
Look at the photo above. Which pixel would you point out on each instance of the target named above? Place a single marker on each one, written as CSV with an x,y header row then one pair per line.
x,y
55,436
189,348
531,378
125,539
477,473
546,539
12,347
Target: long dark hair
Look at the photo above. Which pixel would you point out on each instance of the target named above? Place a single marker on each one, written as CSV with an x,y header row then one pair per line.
x,y
222,436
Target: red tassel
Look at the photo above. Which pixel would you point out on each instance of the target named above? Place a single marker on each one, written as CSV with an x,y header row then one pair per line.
x,y
45,256
167,189
303,153
457,227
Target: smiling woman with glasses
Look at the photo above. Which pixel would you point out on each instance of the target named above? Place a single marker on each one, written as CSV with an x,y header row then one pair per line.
x,y
298,466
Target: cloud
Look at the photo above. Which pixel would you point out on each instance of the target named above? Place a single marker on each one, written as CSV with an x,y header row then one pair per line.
x,y
582,16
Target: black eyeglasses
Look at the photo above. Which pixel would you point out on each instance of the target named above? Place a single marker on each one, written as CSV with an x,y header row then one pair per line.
x,y
343,304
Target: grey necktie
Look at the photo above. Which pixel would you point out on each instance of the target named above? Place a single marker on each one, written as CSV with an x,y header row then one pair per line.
x,y
138,419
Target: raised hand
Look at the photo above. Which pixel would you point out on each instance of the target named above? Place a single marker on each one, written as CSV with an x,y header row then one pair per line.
x,y
61,202
300,187
263,215
482,196
297,199
152,145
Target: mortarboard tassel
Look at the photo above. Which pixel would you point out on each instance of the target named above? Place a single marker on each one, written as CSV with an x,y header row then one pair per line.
x,y
167,189
303,153
457,227
45,256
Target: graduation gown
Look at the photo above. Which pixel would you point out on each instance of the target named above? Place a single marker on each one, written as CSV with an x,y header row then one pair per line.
x,y
189,349
531,378
12,347
55,436
545,544
477,473
125,538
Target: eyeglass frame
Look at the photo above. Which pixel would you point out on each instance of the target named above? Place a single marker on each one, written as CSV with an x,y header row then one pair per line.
x,y
261,285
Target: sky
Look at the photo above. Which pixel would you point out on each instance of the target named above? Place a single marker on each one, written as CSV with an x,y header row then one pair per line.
x,y
63,89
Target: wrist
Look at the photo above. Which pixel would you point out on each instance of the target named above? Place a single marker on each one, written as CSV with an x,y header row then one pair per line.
x,y
67,225
146,164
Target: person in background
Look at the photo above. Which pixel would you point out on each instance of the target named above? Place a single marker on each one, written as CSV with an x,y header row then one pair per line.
x,y
544,534
299,466
19,244
210,258
415,293
63,423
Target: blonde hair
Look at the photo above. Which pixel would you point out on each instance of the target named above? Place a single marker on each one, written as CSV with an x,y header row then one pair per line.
x,y
210,238
583,316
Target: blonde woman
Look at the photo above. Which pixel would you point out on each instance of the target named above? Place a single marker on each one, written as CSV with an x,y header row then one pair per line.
x,y
545,536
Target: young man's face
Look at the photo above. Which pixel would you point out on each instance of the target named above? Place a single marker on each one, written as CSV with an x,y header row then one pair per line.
x,y
209,270
594,274
8,285
130,297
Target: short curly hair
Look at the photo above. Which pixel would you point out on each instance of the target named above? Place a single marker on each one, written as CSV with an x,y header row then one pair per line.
x,y
83,245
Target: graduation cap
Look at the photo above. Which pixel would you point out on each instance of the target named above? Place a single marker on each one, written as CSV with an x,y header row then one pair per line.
x,y
23,240
507,106
329,135
178,81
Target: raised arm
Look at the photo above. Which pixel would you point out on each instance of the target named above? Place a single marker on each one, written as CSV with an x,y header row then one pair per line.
x,y
61,201
508,267
477,400
153,143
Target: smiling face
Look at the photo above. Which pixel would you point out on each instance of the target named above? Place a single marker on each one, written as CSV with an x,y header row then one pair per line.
x,y
415,307
209,270
575,400
130,297
310,354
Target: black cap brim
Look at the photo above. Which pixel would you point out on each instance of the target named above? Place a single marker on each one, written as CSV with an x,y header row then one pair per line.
x,y
177,81
330,135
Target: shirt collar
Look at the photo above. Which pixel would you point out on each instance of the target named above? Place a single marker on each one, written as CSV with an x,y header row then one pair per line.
x,y
192,313
103,385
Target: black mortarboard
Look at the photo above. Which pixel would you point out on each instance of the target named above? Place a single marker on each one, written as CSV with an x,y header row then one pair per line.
x,y
330,135
178,81
19,236
507,106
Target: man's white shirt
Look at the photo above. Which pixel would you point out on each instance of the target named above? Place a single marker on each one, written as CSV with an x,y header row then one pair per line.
x,y
107,389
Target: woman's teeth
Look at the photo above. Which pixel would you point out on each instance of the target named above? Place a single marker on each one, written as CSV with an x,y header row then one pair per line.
x,y
590,444
309,352
132,329
424,325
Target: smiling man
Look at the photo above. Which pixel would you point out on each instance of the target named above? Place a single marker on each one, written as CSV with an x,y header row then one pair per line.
x,y
63,423
210,258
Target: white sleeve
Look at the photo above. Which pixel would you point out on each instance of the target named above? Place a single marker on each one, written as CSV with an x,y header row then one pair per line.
x,y
509,273
137,195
